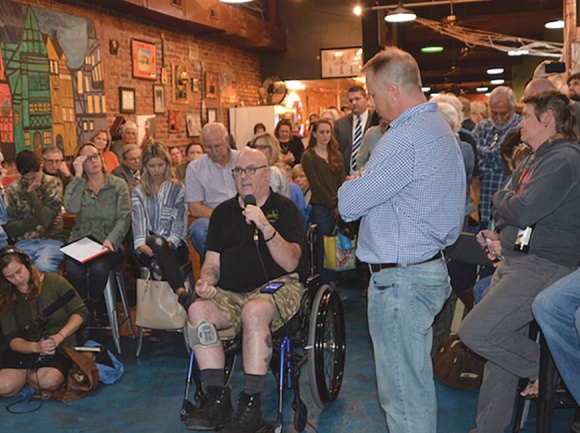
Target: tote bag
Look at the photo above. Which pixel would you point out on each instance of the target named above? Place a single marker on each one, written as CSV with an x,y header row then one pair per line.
x,y
157,306
339,252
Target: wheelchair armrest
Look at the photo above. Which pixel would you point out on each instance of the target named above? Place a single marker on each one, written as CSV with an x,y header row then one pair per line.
x,y
313,281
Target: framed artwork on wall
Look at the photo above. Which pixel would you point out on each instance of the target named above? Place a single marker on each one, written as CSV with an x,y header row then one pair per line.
x,y
211,115
158,99
180,81
126,100
144,64
174,121
340,62
193,123
211,84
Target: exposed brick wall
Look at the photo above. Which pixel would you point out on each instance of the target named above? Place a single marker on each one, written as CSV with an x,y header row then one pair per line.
x,y
239,65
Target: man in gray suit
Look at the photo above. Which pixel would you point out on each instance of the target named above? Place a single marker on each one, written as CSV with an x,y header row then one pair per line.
x,y
349,130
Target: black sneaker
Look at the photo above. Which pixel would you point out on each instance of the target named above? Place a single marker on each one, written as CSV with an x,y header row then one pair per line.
x,y
186,299
248,417
214,411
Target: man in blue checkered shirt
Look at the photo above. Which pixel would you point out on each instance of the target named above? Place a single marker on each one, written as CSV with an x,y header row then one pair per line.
x,y
488,136
411,197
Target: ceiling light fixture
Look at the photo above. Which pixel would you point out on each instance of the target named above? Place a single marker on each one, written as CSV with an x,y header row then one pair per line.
x,y
357,10
556,24
425,89
235,1
497,81
518,52
432,49
495,71
400,15
482,89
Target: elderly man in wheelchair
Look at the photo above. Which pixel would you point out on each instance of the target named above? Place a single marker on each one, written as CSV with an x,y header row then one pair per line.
x,y
250,279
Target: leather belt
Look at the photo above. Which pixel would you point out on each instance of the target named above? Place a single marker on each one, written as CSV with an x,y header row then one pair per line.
x,y
377,267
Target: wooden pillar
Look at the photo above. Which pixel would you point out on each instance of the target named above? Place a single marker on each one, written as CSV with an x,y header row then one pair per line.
x,y
371,30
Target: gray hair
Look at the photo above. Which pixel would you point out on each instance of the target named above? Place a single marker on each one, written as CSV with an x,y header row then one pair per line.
x,y
394,66
128,148
452,100
210,128
128,125
450,115
503,92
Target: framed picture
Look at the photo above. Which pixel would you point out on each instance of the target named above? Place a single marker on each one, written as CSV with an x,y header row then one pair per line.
x,y
211,84
143,58
174,121
211,115
126,100
193,123
340,62
158,99
181,82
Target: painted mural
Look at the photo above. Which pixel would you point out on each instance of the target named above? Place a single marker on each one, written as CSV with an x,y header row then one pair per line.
x,y
52,89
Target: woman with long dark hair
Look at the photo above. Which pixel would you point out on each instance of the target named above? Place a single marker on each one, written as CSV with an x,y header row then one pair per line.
x,y
160,217
290,145
323,164
33,355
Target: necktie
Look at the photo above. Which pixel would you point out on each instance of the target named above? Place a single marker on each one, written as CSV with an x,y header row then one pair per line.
x,y
356,141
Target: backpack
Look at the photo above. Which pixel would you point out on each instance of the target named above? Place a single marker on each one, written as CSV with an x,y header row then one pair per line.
x,y
457,366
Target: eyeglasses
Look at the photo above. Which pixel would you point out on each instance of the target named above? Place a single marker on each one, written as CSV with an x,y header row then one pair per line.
x,y
250,171
52,161
92,157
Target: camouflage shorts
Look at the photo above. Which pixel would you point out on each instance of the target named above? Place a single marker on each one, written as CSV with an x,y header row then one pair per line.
x,y
286,303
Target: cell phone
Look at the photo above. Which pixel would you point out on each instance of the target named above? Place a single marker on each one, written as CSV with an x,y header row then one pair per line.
x,y
272,287
555,67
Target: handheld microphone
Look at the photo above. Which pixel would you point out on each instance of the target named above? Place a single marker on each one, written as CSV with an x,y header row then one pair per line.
x,y
250,199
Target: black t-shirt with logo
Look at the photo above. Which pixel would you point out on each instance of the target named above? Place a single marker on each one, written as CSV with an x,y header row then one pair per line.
x,y
233,238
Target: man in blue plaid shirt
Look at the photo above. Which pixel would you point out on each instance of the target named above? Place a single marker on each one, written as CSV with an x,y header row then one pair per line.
x,y
488,136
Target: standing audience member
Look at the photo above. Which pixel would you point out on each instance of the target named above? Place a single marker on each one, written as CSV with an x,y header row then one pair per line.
x,y
102,141
31,357
209,181
53,164
323,164
266,143
128,136
527,208
331,115
312,119
34,204
479,112
349,129
467,122
129,169
488,136
259,128
300,179
103,211
411,197
160,218
290,145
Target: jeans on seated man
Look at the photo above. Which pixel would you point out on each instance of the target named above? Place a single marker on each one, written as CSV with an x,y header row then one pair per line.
x,y
34,204
248,248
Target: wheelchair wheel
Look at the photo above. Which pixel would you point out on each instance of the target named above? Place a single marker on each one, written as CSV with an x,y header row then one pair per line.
x,y
327,346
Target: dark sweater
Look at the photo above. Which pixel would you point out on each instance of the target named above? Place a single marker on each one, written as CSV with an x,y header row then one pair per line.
x,y
324,183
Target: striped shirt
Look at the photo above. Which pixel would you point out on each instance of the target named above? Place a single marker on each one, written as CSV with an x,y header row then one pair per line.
x,y
162,214
411,196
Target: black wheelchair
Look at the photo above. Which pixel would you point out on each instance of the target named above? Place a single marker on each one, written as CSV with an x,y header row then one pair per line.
x,y
314,336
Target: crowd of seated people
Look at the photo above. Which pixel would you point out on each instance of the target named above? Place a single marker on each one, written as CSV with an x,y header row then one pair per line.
x,y
119,189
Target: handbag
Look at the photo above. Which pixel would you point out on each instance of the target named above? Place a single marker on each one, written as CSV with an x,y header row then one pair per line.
x,y
82,377
339,252
157,306
457,366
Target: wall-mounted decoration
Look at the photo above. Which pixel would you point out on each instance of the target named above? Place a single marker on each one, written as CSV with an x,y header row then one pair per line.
x,y
144,62
193,122
126,100
177,3
158,99
180,80
195,85
211,115
146,128
211,84
52,80
174,121
340,62
113,47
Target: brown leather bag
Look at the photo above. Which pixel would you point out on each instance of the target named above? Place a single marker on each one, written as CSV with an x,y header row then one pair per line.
x,y
82,378
457,366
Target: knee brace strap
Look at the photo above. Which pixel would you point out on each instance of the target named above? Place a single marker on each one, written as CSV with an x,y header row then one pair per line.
x,y
202,336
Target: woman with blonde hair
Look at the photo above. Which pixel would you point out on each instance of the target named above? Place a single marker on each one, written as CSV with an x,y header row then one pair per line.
x,y
268,144
103,211
33,356
102,141
160,218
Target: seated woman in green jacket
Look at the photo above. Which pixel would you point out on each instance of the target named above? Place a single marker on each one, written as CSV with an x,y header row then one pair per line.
x,y
103,210
33,356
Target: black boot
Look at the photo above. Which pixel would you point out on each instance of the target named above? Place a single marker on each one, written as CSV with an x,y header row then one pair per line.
x,y
215,411
248,417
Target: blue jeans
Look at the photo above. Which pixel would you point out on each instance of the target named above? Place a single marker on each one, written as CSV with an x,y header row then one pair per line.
x,y
402,303
45,253
198,234
557,310
322,217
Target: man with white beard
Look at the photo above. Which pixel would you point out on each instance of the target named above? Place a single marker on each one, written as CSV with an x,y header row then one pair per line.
x,y
488,136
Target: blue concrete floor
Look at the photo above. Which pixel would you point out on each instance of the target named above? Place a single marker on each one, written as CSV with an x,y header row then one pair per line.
x,y
149,396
